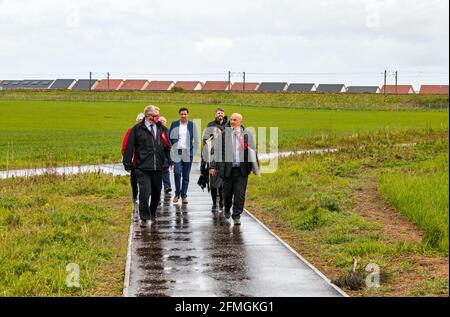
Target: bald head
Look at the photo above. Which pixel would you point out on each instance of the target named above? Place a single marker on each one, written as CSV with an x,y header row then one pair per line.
x,y
236,120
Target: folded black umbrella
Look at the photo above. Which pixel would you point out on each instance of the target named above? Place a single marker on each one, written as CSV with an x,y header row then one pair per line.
x,y
202,182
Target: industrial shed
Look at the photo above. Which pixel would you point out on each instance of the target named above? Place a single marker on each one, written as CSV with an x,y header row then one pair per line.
x,y
134,84
107,85
434,90
10,84
216,86
398,89
332,88
189,85
363,90
302,88
245,87
85,84
160,85
63,84
273,87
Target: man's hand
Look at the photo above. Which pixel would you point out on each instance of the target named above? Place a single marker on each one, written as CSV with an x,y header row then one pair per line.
x,y
213,172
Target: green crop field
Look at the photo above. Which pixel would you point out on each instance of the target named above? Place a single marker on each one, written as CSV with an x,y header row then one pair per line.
x,y
48,133
282,100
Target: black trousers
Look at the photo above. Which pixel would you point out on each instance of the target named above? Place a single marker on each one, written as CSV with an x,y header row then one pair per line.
x,y
150,184
234,188
217,192
134,184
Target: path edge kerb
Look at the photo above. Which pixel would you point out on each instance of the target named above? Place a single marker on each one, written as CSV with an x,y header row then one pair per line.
x,y
126,282
312,267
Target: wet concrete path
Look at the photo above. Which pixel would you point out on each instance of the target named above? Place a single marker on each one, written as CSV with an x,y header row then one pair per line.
x,y
190,251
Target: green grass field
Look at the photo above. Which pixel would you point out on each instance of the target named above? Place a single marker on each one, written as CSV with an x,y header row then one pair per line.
x,y
283,100
48,133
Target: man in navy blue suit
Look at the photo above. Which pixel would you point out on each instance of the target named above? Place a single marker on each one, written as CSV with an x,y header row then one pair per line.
x,y
184,138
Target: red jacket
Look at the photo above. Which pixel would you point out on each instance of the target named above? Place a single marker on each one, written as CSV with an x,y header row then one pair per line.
x,y
124,145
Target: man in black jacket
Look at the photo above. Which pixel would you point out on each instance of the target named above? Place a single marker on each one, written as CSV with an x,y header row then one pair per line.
x,y
150,147
234,160
219,122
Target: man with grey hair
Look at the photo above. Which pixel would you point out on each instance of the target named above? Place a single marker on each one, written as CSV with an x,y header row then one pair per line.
x,y
234,159
149,144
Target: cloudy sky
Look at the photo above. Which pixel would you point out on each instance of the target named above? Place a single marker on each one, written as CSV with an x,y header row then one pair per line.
x,y
322,41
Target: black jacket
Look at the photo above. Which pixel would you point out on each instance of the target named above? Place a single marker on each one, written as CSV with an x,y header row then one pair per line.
x,y
211,126
223,152
150,154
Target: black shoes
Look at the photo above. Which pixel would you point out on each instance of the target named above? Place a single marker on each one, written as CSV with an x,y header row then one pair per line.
x,y
143,223
168,190
227,214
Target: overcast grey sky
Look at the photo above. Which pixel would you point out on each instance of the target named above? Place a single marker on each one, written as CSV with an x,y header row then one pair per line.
x,y
357,39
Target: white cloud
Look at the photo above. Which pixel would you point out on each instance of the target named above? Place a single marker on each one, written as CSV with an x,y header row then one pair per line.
x,y
200,36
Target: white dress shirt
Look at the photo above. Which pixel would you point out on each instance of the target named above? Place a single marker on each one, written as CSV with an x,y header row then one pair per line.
x,y
182,136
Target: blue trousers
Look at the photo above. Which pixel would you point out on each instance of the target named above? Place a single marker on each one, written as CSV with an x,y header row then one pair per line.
x,y
166,178
182,172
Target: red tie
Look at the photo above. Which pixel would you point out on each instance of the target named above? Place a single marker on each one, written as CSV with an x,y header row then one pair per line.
x,y
240,142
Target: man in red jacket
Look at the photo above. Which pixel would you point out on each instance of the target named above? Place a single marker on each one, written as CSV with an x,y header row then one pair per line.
x,y
133,179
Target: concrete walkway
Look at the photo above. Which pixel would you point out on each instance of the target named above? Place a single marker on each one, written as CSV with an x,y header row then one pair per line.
x,y
190,251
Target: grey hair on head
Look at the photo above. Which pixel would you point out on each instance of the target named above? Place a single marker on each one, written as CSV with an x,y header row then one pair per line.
x,y
151,110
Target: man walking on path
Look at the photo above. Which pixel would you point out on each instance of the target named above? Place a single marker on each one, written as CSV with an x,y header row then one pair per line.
x,y
147,141
208,142
184,139
234,160
133,179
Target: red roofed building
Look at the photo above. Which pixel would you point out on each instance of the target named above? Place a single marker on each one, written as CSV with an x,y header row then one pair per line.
x,y
434,90
133,84
216,86
189,85
112,84
400,89
160,86
248,87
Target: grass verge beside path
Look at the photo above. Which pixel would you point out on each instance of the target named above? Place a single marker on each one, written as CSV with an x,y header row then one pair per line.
x,y
420,192
327,208
49,222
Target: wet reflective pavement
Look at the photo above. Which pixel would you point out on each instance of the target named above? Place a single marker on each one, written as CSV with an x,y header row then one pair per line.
x,y
190,251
